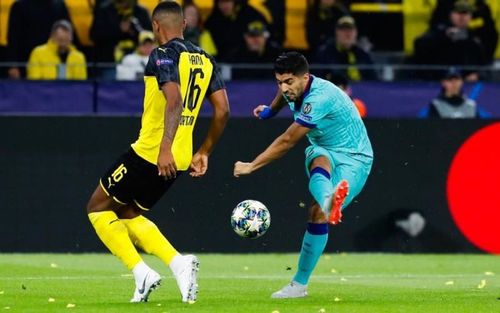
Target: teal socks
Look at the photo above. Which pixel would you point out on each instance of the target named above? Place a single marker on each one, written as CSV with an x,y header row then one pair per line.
x,y
314,243
321,188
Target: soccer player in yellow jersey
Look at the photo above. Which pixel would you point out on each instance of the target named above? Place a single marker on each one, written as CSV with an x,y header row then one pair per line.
x,y
177,78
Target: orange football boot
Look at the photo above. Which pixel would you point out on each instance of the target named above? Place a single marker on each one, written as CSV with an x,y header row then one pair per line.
x,y
339,196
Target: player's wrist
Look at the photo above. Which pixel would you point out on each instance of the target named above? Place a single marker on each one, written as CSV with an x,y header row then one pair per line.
x,y
203,151
251,167
267,113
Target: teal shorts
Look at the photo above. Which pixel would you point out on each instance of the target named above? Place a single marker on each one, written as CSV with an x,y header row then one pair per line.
x,y
353,168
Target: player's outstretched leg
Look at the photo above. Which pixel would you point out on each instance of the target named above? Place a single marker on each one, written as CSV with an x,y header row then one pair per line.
x,y
339,196
314,243
148,237
316,235
114,235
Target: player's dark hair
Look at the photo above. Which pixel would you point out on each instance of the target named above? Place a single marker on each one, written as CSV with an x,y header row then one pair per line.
x,y
291,62
168,6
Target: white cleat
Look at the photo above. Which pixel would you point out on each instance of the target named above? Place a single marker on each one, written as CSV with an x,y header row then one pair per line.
x,y
187,278
292,290
143,288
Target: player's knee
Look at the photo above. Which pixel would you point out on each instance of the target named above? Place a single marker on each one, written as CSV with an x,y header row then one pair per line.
x,y
92,206
99,202
320,162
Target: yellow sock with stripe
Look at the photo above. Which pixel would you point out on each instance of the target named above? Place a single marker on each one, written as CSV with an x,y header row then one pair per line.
x,y
146,235
115,236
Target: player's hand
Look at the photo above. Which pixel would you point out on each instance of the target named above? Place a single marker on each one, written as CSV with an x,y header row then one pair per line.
x,y
258,110
166,165
263,112
199,164
242,168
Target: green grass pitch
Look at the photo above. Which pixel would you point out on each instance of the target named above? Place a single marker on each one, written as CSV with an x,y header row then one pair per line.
x,y
243,283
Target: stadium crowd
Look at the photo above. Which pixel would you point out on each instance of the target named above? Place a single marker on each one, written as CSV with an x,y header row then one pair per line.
x,y
340,45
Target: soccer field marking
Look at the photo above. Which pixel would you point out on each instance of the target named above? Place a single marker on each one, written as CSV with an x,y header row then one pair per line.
x,y
257,277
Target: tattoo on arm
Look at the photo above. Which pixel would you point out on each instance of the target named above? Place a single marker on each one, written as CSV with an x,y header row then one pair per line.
x,y
173,111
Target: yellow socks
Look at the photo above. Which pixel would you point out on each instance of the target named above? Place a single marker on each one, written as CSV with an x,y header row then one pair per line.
x,y
146,235
113,233
120,236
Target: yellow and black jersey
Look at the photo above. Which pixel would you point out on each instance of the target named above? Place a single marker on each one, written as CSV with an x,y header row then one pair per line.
x,y
196,72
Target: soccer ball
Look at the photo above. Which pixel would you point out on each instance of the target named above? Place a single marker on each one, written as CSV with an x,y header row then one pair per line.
x,y
250,219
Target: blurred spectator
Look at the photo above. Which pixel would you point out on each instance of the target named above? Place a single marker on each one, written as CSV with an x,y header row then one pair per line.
x,y
116,25
58,58
482,25
257,49
343,83
321,18
30,23
228,22
345,51
452,44
194,31
132,65
451,101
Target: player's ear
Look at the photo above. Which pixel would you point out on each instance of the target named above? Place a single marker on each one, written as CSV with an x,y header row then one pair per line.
x,y
184,24
156,26
306,77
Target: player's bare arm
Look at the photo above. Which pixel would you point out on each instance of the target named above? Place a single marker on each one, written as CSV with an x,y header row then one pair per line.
x,y
276,105
276,150
166,163
220,104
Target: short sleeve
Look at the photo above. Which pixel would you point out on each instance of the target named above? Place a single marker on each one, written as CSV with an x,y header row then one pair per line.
x,y
216,81
312,110
164,63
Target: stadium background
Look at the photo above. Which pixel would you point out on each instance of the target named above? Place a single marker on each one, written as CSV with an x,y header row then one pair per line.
x,y
52,154
410,17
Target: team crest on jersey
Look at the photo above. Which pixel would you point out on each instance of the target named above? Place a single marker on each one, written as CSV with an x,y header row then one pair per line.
x,y
164,61
307,108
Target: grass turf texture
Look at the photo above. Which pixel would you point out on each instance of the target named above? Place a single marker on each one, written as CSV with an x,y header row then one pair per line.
x,y
244,283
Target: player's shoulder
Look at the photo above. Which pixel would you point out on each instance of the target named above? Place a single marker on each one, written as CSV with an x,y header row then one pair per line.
x,y
320,91
174,48
320,85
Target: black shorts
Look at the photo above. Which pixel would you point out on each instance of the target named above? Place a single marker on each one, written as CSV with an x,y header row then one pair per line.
x,y
131,179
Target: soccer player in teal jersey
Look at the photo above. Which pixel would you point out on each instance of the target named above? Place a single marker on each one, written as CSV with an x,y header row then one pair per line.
x,y
337,162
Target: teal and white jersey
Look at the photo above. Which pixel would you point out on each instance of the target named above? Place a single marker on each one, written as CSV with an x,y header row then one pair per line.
x,y
333,118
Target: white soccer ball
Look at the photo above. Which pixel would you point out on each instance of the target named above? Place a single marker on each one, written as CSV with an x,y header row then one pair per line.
x,y
250,219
